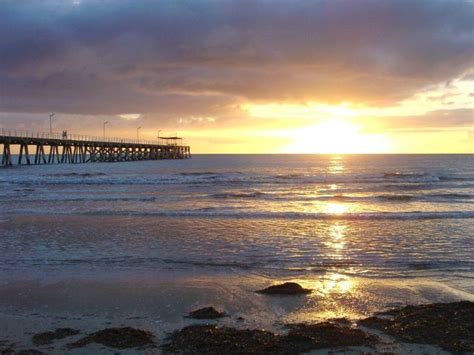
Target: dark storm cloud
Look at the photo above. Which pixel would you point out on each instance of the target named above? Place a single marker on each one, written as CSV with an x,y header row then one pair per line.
x,y
175,58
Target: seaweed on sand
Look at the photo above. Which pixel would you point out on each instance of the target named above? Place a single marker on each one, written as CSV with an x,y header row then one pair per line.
x,y
211,339
448,325
46,338
120,338
20,352
206,313
330,335
287,288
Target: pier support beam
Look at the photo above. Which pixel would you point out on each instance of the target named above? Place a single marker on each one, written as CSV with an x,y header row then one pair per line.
x,y
40,156
24,153
7,155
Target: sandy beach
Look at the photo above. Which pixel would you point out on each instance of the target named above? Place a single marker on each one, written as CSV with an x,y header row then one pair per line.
x,y
159,303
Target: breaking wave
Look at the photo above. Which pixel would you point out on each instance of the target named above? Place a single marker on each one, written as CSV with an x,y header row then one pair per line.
x,y
214,212
232,195
235,178
286,196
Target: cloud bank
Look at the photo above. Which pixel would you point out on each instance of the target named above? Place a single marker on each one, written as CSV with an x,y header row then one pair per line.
x,y
201,57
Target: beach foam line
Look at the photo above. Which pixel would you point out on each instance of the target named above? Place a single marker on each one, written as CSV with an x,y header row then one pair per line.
x,y
286,196
85,199
265,196
232,178
216,213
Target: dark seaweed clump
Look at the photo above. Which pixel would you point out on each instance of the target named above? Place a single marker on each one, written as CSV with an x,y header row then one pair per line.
x,y
448,325
20,352
328,335
206,313
119,338
287,288
211,339
48,337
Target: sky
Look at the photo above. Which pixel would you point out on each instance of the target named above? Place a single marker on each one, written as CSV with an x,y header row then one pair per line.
x,y
248,76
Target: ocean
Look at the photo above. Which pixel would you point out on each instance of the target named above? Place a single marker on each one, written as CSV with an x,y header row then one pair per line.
x,y
388,229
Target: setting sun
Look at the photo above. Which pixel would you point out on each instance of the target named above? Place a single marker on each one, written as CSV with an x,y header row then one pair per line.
x,y
336,136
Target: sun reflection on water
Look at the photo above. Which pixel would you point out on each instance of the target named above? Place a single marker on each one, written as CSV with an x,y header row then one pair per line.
x,y
332,297
336,165
335,208
336,239
336,283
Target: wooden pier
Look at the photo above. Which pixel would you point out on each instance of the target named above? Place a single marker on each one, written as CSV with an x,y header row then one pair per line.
x,y
74,149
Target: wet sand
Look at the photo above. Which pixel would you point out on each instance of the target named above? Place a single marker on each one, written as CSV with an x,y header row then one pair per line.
x,y
159,304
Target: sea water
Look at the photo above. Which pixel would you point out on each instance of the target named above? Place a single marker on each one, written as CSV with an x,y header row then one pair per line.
x,y
364,215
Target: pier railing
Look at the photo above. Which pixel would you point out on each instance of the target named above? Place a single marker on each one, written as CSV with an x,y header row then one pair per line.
x,y
84,138
73,148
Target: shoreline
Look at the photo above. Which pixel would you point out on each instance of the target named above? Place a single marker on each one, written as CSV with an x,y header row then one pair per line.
x,y
160,303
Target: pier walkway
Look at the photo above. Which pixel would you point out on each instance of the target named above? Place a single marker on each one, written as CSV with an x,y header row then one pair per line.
x,y
75,149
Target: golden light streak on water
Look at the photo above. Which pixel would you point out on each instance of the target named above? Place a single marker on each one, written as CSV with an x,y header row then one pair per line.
x,y
335,208
336,165
337,239
336,283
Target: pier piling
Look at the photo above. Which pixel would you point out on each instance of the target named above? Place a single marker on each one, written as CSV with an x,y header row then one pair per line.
x,y
56,149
